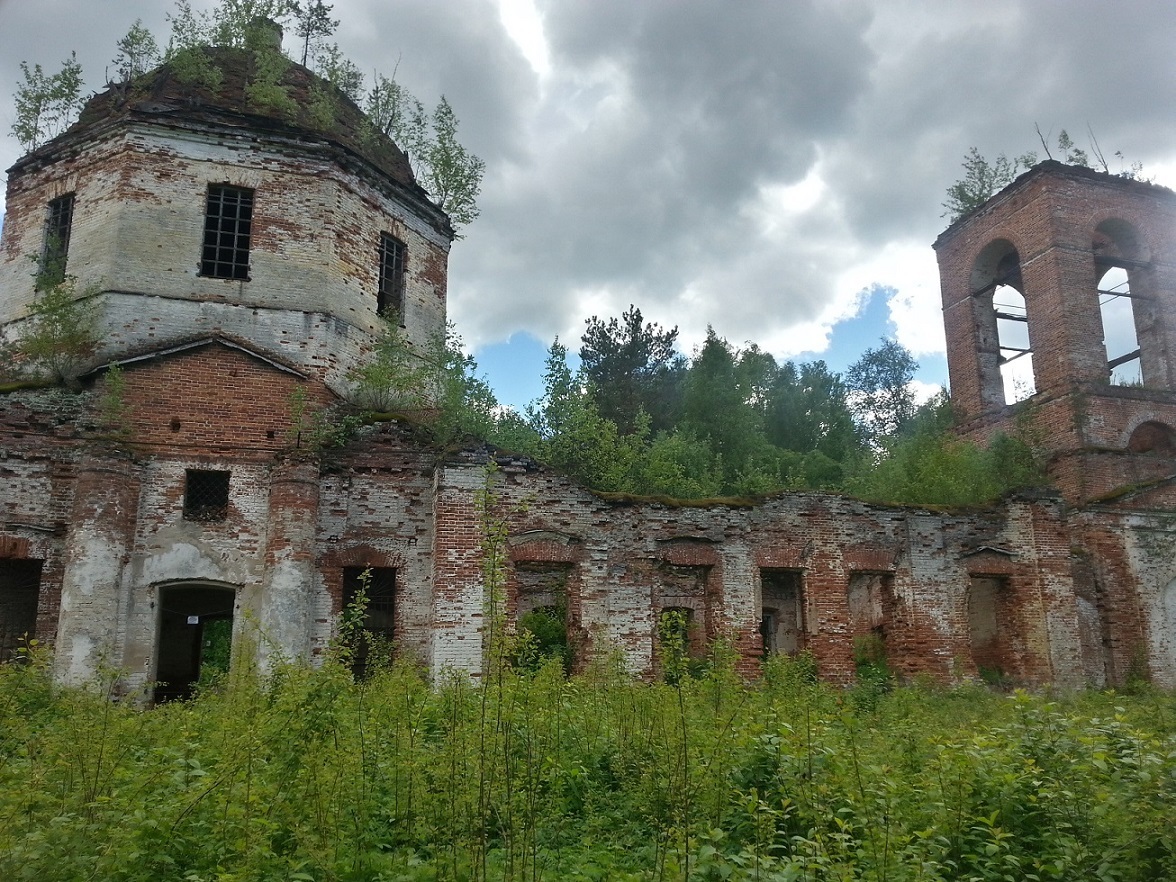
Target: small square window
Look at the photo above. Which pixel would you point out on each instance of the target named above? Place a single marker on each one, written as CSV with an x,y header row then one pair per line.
x,y
55,249
228,225
390,297
206,495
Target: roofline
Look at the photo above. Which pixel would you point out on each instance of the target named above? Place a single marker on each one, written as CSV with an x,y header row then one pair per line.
x,y
198,343
73,141
1056,169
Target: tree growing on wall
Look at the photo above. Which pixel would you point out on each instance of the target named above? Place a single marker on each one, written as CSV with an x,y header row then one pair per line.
x,y
47,104
60,336
984,178
314,24
137,52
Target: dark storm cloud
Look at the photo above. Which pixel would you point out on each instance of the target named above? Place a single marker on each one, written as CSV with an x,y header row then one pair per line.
x,y
673,115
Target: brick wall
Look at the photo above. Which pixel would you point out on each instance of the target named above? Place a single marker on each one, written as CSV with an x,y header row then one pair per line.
x,y
139,202
1057,228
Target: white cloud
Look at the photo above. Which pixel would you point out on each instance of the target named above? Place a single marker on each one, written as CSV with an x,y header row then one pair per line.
x,y
753,166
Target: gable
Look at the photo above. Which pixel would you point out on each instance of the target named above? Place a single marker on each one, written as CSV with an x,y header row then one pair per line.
x,y
212,396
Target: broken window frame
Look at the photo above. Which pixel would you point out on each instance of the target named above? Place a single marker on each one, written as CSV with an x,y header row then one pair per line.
x,y
228,232
206,495
393,256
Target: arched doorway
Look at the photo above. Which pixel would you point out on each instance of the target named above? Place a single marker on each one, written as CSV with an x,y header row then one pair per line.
x,y
195,636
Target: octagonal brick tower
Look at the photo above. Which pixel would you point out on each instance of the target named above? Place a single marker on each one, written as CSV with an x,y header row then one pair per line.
x,y
1073,272
282,220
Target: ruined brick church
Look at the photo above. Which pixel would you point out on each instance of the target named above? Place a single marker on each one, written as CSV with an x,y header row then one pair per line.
x,y
234,255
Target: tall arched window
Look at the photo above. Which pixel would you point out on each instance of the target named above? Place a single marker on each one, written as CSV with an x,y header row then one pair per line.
x,y
1016,356
1119,257
1006,352
1118,321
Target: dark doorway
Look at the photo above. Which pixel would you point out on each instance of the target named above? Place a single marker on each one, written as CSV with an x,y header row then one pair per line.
x,y
20,588
782,611
195,638
373,647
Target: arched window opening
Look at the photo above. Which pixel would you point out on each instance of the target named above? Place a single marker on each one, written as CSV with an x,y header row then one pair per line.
x,y
1153,437
1016,355
1005,357
1118,320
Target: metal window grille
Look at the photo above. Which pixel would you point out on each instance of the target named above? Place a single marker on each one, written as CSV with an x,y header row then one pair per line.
x,y
20,588
228,223
390,297
206,495
58,224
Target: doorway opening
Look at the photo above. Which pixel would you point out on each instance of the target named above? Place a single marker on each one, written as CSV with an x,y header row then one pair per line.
x,y
195,638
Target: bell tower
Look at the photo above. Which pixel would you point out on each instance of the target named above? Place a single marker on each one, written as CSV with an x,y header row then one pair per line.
x,y
1059,304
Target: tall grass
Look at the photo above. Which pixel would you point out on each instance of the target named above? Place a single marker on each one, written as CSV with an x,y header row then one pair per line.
x,y
306,775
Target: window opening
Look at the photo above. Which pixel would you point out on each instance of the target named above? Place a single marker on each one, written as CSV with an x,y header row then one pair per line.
x,y
1012,331
542,612
228,223
373,649
782,611
988,626
390,296
678,649
684,587
1118,321
55,249
195,639
206,495
20,589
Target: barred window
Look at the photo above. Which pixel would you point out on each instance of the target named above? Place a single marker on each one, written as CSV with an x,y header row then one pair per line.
x,y
58,223
228,222
390,297
206,495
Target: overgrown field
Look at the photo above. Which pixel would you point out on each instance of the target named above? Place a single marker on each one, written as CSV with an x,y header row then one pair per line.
x,y
306,776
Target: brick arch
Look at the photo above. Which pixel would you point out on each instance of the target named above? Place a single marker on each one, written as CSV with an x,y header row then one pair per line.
x,y
1000,258
1001,312
1153,437
1126,297
1114,237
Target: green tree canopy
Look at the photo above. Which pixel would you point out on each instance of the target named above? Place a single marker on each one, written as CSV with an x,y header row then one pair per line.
x,y
632,367
880,393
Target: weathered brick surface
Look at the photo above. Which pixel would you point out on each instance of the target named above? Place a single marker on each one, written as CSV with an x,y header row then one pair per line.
x,y
1056,227
139,201
1074,589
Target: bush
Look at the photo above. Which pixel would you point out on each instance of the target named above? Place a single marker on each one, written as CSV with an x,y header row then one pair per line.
x,y
308,775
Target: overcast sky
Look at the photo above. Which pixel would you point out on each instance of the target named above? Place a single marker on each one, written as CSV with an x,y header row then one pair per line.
x,y
755,166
